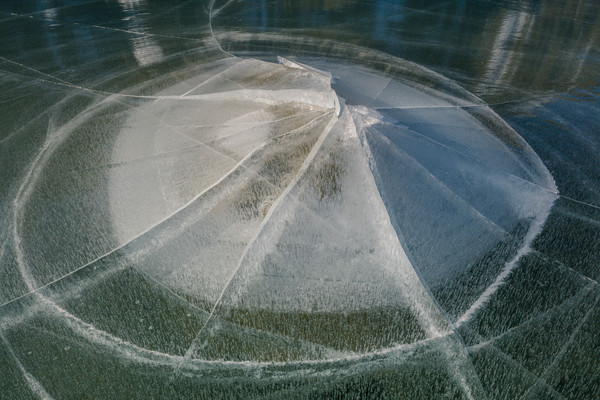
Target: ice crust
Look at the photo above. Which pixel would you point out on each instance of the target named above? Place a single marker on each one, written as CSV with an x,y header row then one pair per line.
x,y
300,212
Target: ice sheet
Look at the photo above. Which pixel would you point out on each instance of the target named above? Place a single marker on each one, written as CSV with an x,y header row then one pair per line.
x,y
283,213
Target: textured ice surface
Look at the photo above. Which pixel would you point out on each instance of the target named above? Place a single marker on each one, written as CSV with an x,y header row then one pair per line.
x,y
261,212
337,222
293,221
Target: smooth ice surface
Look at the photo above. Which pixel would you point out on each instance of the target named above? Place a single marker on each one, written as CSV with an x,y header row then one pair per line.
x,y
231,200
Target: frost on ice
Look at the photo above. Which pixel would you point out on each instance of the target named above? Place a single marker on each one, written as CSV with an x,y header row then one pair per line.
x,y
294,215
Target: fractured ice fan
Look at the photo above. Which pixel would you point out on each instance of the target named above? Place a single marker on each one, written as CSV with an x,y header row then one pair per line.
x,y
304,211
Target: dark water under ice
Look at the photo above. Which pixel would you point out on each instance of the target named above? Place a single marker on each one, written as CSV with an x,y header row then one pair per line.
x,y
300,199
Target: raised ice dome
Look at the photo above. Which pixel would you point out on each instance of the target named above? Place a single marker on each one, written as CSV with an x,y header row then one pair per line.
x,y
294,212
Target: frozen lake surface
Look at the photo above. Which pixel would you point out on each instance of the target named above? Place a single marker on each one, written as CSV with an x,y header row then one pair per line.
x,y
270,199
